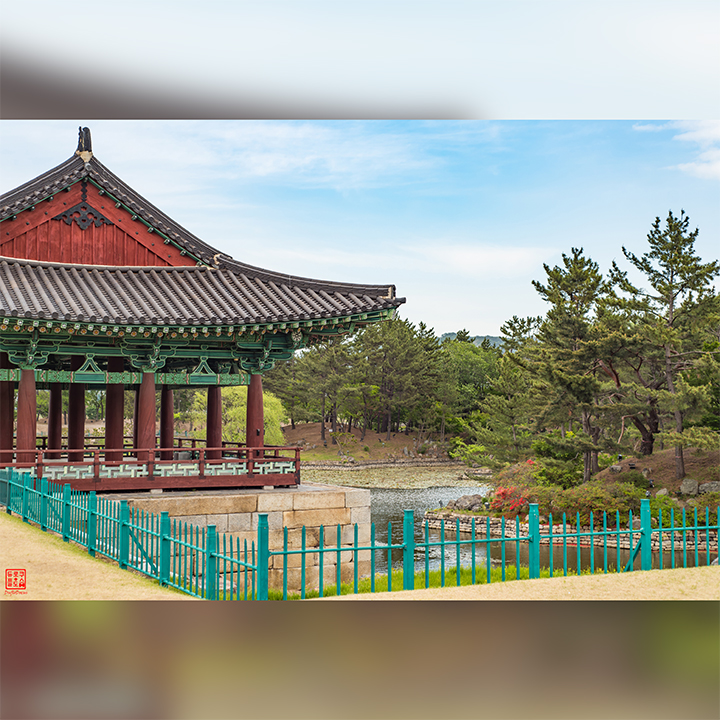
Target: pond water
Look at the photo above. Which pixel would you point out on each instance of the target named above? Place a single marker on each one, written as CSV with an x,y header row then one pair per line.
x,y
388,506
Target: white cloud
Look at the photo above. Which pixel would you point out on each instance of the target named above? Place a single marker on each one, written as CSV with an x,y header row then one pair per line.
x,y
704,135
648,128
702,132
706,166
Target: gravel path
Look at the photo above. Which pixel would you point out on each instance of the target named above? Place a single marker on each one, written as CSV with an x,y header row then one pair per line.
x,y
56,570
702,583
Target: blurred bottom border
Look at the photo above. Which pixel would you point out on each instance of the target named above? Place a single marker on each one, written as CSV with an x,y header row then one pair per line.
x,y
447,660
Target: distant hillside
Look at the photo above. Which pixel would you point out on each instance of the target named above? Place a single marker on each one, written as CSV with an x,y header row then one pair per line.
x,y
477,339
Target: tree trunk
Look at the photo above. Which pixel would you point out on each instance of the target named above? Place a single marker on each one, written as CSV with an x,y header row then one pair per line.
x,y
647,437
679,458
322,420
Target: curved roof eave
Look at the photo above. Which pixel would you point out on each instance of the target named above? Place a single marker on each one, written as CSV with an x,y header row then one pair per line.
x,y
75,168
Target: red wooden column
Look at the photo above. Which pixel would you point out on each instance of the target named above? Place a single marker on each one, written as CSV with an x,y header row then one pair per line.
x,y
214,421
27,417
136,405
146,416
255,433
167,422
55,420
76,415
7,412
114,414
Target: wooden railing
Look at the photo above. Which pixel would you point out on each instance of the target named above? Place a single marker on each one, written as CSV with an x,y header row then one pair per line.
x,y
100,469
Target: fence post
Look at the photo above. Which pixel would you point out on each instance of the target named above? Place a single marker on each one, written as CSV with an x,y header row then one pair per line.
x,y
408,551
5,487
164,548
92,522
534,542
12,480
263,557
66,512
645,535
211,548
124,535
26,479
43,503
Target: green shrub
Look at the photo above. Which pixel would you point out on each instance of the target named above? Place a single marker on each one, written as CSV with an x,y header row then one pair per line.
x,y
565,473
664,503
605,460
636,478
709,500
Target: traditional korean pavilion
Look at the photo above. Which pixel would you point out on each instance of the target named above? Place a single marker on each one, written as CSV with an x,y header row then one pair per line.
x,y
100,288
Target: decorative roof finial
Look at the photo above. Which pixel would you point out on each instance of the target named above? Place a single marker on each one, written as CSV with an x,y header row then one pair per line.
x,y
84,148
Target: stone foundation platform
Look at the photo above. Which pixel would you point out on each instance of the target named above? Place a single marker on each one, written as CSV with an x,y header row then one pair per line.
x,y
235,514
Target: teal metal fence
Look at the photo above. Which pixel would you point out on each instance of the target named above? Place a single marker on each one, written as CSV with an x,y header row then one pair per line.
x,y
202,563
176,554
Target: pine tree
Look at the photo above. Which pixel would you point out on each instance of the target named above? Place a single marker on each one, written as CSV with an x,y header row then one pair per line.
x,y
566,362
674,317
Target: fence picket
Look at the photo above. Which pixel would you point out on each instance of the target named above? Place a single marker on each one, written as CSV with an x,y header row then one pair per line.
x,y
409,550
92,523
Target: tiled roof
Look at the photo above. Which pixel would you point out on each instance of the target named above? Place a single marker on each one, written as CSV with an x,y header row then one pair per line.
x,y
226,291
174,295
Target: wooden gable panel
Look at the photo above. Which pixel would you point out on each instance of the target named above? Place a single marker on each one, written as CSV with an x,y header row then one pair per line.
x,y
35,235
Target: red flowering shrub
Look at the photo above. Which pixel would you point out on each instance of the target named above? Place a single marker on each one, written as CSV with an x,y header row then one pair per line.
x,y
509,501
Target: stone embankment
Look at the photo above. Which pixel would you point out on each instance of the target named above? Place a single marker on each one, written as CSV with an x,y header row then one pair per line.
x,y
435,522
380,464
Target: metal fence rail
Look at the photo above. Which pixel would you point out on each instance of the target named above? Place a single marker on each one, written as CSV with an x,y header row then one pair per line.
x,y
202,563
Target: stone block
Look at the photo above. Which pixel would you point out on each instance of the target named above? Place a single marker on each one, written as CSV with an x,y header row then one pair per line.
x,y
330,516
713,486
357,498
360,515
318,500
219,521
272,502
364,533
293,561
198,520
196,504
239,522
275,520
689,486
295,537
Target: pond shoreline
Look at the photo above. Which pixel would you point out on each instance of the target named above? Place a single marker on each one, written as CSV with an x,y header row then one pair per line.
x,y
403,475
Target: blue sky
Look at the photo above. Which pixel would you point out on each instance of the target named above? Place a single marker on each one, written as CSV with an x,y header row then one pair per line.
x,y
460,215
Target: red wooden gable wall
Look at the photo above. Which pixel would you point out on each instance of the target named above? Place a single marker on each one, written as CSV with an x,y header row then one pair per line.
x,y
34,235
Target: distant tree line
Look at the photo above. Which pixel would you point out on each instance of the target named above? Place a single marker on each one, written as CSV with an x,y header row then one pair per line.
x,y
612,365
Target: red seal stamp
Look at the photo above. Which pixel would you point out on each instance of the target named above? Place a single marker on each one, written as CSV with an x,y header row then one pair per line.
x,y
15,580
